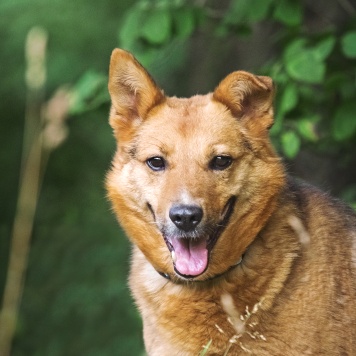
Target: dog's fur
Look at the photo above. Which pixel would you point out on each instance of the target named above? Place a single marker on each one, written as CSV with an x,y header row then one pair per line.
x,y
280,278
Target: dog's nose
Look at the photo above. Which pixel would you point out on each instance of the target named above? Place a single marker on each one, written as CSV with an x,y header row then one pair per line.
x,y
186,217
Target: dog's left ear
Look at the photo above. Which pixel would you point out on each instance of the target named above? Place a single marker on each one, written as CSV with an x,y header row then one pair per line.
x,y
249,98
133,92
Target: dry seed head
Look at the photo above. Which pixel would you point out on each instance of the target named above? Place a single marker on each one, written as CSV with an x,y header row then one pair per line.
x,y
299,228
35,52
219,329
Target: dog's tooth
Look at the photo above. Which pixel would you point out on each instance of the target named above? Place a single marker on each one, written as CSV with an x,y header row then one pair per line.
x,y
174,257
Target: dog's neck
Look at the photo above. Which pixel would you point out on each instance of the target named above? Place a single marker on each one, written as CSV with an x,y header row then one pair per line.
x,y
168,276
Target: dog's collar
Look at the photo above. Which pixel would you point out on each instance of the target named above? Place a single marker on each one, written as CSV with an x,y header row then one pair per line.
x,y
168,277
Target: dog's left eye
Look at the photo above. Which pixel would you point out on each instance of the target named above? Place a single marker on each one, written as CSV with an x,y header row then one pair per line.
x,y
156,163
220,163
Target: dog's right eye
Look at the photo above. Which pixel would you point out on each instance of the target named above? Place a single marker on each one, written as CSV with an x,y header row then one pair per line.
x,y
220,163
156,163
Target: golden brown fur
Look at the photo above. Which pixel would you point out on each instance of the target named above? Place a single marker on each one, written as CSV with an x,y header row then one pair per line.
x,y
293,293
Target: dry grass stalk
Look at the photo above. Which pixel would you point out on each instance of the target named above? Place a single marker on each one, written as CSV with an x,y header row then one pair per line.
x,y
240,322
44,130
297,225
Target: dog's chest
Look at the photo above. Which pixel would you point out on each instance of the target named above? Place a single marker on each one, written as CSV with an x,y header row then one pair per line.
x,y
180,321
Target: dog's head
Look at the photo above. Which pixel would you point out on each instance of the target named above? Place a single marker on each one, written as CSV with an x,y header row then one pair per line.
x,y
193,180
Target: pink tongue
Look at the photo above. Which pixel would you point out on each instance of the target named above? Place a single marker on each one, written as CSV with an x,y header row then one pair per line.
x,y
191,256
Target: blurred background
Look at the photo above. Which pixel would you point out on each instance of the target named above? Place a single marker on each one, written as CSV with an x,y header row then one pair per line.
x,y
63,258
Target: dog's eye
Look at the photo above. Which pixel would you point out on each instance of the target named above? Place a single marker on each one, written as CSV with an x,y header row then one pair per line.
x,y
156,163
220,163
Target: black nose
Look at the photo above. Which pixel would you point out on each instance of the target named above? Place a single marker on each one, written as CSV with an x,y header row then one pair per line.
x,y
186,217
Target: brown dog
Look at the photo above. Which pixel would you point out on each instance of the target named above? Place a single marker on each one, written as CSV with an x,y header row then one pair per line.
x,y
230,255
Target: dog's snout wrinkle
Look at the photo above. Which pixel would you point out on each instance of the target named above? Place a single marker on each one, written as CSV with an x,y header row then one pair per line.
x,y
149,206
186,217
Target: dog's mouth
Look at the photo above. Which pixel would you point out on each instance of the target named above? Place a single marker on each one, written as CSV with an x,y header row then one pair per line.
x,y
190,255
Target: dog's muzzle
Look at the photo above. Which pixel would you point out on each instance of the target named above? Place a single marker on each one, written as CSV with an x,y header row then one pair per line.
x,y
189,244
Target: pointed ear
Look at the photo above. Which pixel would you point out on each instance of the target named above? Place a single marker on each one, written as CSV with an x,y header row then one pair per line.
x,y
249,98
133,91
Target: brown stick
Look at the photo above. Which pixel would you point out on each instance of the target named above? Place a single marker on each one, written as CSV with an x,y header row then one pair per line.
x,y
28,191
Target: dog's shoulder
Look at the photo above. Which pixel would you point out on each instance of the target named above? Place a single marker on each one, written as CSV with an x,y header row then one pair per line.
x,y
329,224
316,204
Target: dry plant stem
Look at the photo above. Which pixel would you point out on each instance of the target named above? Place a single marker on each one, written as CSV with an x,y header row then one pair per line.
x,y
227,349
20,245
30,179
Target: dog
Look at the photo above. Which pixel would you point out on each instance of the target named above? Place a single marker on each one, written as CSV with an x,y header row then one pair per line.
x,y
231,256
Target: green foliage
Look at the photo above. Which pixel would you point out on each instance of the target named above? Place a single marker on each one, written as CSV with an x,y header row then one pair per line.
x,y
89,93
156,28
349,195
344,121
153,29
307,128
288,12
76,300
288,98
247,11
348,43
303,63
290,143
184,22
312,70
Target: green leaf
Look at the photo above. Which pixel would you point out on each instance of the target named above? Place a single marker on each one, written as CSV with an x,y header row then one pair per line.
x,y
347,89
288,12
130,29
349,195
89,92
146,55
307,128
344,122
294,48
336,79
306,67
243,11
303,63
156,28
289,98
184,22
290,144
348,44
324,48
277,124
278,74
258,10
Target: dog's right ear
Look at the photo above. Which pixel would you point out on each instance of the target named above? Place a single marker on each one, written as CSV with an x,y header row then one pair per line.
x,y
133,92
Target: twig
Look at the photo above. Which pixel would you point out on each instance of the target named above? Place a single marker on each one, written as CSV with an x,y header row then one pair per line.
x,y
28,190
44,131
